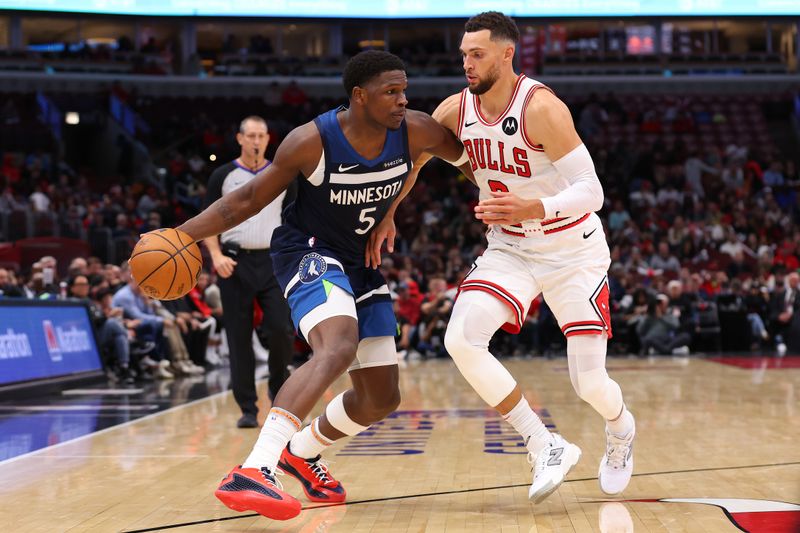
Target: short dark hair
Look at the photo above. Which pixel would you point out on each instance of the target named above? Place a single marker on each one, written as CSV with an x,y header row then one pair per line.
x,y
74,279
501,26
364,66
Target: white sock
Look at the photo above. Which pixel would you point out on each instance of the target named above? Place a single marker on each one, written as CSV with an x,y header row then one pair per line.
x,y
530,426
622,425
278,429
309,442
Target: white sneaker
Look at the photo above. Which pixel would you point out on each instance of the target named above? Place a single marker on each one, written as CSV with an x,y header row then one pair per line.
x,y
161,372
189,368
261,353
551,466
681,350
212,356
148,362
616,466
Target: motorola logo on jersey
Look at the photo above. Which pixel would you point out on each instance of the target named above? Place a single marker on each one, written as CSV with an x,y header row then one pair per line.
x,y
485,154
311,268
510,126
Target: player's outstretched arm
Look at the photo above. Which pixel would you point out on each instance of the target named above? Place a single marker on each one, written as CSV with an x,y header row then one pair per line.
x,y
549,123
234,208
434,136
429,137
441,142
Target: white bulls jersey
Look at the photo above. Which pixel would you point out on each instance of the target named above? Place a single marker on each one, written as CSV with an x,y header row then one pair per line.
x,y
503,159
524,260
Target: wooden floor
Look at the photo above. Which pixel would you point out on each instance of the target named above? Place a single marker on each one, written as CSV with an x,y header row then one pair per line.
x,y
445,463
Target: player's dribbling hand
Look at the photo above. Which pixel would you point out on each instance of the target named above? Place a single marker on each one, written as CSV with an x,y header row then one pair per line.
x,y
224,265
508,208
385,231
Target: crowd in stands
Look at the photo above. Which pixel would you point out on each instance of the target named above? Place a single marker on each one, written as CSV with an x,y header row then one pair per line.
x,y
95,55
139,338
239,54
701,213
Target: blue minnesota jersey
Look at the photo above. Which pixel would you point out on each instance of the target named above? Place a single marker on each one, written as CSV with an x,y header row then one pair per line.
x,y
348,196
322,242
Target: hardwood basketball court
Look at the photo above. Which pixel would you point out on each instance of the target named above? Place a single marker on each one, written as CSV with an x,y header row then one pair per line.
x,y
724,431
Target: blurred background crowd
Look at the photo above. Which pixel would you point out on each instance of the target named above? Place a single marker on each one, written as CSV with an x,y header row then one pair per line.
x,y
701,211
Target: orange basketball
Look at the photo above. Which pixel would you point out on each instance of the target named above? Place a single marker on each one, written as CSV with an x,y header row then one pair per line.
x,y
166,263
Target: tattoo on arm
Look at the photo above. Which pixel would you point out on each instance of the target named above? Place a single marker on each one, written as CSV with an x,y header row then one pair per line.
x,y
225,211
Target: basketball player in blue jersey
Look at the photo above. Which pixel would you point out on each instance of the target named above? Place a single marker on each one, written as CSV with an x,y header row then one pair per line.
x,y
353,162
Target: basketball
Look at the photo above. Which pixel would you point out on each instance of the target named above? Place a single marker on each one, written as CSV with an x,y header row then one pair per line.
x,y
166,263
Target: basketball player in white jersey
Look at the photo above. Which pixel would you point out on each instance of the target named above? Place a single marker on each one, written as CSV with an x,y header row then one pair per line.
x,y
538,195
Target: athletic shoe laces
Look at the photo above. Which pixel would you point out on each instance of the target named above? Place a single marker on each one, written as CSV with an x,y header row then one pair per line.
x,y
272,477
618,451
320,469
539,462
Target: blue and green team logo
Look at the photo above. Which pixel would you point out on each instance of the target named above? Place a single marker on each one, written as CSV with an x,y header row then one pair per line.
x,y
311,268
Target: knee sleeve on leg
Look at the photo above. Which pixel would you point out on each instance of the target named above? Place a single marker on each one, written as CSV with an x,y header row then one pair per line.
x,y
587,354
475,318
338,417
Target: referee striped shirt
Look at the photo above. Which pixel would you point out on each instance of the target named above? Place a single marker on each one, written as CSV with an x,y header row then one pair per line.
x,y
256,231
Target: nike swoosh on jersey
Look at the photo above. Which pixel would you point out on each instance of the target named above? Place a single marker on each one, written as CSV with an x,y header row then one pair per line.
x,y
585,236
468,124
343,168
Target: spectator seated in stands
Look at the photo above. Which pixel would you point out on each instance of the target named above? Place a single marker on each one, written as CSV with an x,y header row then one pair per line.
x,y
174,328
408,305
757,306
435,313
8,285
664,260
195,327
784,306
112,335
136,305
206,298
659,331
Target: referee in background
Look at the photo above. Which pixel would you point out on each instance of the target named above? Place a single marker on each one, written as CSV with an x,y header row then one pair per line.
x,y
242,261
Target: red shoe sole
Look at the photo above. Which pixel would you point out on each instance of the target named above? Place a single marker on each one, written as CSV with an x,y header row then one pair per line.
x,y
242,501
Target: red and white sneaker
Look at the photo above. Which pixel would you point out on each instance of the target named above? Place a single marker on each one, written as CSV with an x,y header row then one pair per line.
x,y
318,483
253,489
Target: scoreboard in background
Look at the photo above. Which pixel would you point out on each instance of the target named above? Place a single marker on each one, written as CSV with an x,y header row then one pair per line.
x,y
414,8
43,340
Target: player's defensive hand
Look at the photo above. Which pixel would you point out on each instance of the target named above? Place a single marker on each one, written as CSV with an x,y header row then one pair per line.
x,y
508,208
385,231
224,265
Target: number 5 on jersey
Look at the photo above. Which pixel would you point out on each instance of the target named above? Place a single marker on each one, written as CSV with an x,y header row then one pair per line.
x,y
364,217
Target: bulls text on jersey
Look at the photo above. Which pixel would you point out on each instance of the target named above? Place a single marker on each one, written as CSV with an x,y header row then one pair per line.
x,y
494,155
